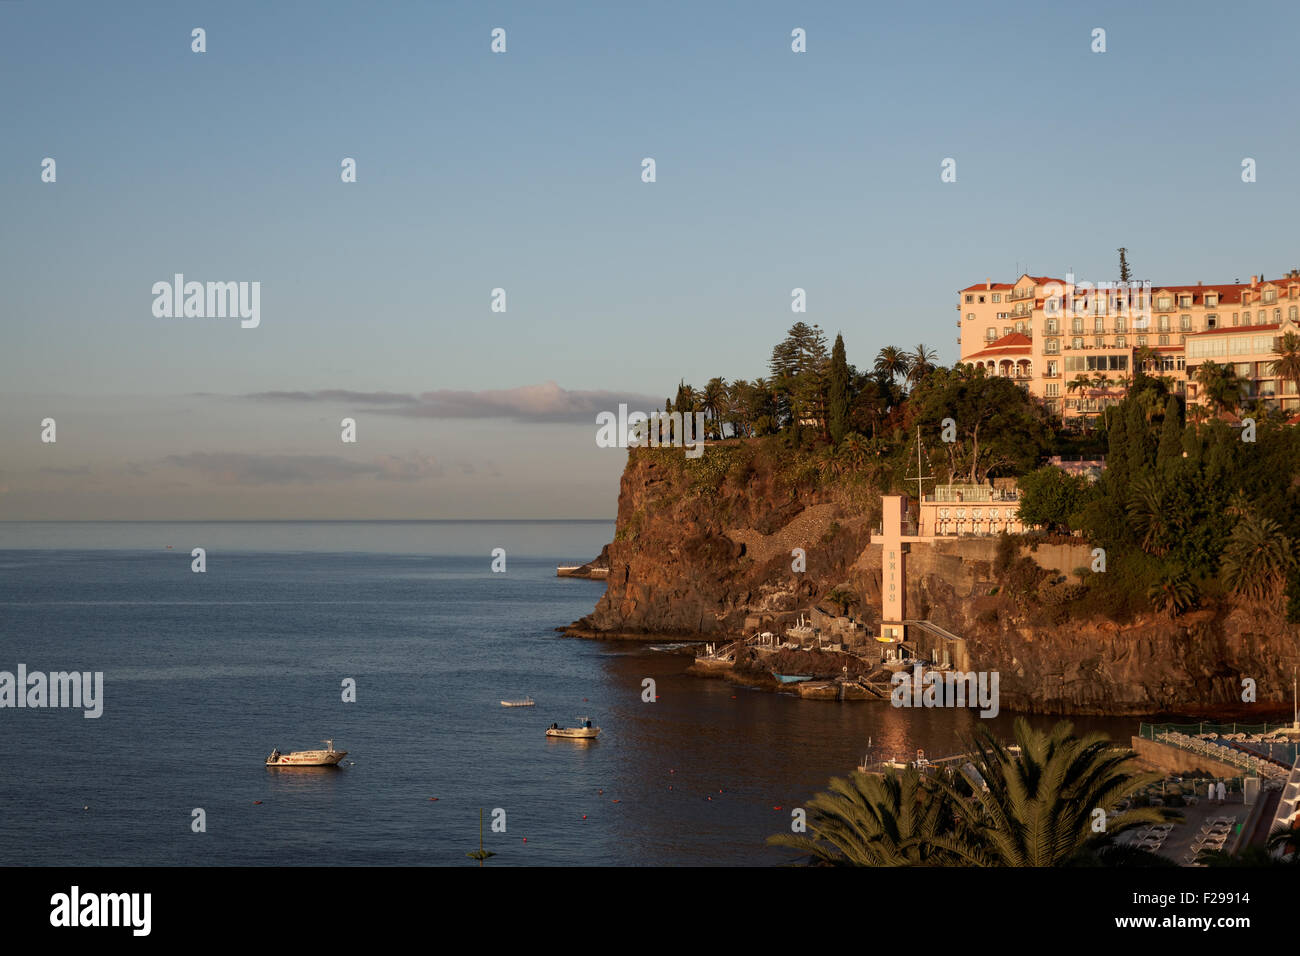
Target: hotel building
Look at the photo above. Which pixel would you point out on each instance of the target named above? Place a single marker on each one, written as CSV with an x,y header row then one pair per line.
x,y
1044,334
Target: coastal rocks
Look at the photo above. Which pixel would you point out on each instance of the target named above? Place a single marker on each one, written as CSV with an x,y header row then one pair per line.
x,y
704,550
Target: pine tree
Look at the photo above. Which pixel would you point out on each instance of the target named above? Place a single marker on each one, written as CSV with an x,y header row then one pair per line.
x,y
838,392
1125,274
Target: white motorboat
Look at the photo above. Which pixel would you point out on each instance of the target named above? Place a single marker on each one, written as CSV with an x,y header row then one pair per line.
x,y
519,702
584,731
329,757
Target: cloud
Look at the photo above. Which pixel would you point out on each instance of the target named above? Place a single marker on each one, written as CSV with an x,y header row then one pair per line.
x,y
80,472
234,468
337,395
547,402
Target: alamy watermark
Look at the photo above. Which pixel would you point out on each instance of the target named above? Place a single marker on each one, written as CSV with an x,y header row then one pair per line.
x,y
56,689
211,300
655,430
924,688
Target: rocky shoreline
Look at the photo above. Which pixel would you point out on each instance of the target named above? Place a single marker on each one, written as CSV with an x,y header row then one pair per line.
x,y
713,563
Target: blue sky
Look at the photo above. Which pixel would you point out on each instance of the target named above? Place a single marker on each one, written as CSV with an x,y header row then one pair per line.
x,y
522,171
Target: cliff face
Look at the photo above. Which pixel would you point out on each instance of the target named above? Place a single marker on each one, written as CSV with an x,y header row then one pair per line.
x,y
705,548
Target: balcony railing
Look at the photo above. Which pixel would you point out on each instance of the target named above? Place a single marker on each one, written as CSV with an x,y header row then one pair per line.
x,y
1016,294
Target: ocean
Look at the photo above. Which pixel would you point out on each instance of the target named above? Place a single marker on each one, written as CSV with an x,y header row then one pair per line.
x,y
204,673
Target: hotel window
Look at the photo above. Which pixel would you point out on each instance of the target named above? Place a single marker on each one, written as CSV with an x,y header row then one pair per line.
x,y
1006,330
1121,342
1121,324
997,297
1185,301
1246,317
969,316
1076,325
1270,296
1162,340
1164,323
1099,342
1291,313
1052,346
1076,343
1020,327
981,300
970,298
990,334
1051,370
1142,341
1211,301
1164,303
1234,318
1211,321
1053,389
1277,315
1052,324
1099,324
1185,323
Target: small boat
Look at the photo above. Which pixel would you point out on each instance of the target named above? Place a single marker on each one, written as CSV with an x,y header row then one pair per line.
x,y
584,731
791,678
329,757
519,702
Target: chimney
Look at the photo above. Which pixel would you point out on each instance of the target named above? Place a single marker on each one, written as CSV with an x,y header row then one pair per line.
x,y
1198,282
1254,281
988,284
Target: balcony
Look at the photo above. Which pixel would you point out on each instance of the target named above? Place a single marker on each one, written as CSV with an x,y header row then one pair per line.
x,y
1017,294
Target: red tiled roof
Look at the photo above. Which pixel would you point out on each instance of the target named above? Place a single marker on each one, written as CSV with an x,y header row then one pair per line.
x,y
1013,344
979,287
1239,328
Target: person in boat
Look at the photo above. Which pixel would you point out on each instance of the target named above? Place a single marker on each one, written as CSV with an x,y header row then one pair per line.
x,y
587,724
555,726
275,755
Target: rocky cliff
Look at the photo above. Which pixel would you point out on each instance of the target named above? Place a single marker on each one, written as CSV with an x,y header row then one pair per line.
x,y
707,548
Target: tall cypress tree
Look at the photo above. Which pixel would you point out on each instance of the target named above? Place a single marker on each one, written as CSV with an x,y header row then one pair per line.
x,y
1171,437
838,392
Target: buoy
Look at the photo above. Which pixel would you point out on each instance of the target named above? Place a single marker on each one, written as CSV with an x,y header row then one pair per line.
x,y
710,799
672,771
719,790
525,839
85,808
256,803
618,801
584,816
778,808
600,791
433,799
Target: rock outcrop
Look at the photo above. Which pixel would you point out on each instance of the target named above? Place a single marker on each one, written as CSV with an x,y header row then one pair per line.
x,y
706,549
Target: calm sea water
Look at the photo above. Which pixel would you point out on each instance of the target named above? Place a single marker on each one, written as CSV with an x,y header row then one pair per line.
x,y
205,673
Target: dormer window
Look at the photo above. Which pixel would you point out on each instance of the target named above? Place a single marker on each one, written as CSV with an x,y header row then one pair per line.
x,y
1185,301
1211,301
1270,296
1164,303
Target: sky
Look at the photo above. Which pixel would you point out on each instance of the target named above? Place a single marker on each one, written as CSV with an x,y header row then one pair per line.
x,y
522,171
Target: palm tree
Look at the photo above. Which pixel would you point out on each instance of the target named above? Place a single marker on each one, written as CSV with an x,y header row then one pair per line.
x,y
893,363
1173,593
1079,383
1149,514
1257,557
872,820
1287,365
922,363
1220,385
713,400
1037,806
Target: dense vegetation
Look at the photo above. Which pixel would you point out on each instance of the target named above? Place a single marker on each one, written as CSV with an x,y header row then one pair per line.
x,y
1190,504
